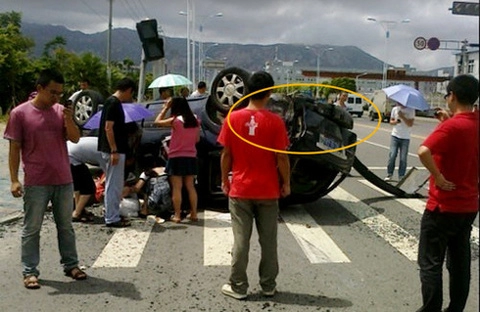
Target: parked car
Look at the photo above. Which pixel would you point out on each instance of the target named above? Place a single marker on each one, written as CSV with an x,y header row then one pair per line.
x,y
311,127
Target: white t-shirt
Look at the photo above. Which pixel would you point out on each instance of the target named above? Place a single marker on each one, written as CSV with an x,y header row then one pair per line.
x,y
401,130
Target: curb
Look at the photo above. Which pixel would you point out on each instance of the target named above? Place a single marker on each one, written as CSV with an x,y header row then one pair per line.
x,y
12,217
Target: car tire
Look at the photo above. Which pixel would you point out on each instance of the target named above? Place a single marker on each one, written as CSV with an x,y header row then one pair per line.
x,y
210,118
85,105
228,87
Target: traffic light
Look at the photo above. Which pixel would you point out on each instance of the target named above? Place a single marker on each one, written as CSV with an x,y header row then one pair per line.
x,y
465,8
151,43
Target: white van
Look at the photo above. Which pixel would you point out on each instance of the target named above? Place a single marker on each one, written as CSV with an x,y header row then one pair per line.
x,y
355,105
384,105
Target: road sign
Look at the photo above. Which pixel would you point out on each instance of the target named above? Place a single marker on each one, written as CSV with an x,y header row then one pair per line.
x,y
214,64
433,43
465,8
420,43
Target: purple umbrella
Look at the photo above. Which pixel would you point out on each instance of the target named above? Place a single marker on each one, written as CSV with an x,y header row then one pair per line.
x,y
133,112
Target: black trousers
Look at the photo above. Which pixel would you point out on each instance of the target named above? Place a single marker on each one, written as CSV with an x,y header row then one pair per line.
x,y
445,234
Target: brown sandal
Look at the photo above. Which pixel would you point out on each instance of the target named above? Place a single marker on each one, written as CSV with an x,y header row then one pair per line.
x,y
77,274
31,282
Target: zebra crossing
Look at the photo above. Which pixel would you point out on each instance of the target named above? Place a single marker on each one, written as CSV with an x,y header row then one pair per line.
x,y
126,246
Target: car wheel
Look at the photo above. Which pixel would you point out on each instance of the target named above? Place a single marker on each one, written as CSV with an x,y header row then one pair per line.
x,y
360,115
228,87
85,106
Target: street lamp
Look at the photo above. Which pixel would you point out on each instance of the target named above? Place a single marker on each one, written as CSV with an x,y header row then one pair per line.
x,y
204,56
201,53
317,80
386,25
356,80
188,15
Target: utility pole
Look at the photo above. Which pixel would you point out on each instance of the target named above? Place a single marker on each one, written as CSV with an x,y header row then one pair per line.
x,y
109,45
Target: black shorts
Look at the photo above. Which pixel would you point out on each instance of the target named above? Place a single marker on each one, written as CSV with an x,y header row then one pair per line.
x,y
82,180
182,166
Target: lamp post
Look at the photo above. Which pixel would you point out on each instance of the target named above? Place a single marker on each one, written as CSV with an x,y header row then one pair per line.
x,y
201,53
319,55
386,25
188,14
356,79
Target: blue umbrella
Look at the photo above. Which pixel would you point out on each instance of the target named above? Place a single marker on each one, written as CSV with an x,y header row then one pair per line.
x,y
133,112
407,96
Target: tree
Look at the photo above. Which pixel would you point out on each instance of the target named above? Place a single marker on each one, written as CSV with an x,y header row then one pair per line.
x,y
16,71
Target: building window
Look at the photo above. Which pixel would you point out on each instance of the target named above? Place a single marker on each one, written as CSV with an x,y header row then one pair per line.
x,y
471,66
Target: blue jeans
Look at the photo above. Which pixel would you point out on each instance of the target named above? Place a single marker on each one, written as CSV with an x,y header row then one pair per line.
x,y
396,145
265,214
36,199
114,181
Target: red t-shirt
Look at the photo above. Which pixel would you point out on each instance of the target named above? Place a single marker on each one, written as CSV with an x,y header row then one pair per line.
x,y
254,170
454,146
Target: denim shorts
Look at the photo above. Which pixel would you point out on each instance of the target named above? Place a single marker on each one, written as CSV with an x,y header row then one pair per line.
x,y
182,166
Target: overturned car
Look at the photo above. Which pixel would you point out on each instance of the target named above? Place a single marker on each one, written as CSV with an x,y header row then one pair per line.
x,y
312,127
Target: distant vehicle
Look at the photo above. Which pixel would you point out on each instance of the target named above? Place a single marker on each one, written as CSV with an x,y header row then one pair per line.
x,y
383,104
355,105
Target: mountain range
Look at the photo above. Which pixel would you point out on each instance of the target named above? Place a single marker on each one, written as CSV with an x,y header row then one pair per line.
x,y
126,45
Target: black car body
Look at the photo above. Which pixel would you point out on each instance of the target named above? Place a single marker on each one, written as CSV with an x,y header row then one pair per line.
x,y
312,127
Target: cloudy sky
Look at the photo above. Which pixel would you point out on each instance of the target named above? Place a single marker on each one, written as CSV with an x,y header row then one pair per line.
x,y
335,22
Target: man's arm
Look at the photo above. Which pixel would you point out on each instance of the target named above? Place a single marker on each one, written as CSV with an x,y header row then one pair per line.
x,y
72,131
14,165
226,167
114,157
407,121
283,164
427,160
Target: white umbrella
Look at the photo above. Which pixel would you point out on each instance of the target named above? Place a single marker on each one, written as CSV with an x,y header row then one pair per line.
x,y
407,96
170,80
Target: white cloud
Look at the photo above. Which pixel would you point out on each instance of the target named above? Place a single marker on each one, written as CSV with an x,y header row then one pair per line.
x,y
341,22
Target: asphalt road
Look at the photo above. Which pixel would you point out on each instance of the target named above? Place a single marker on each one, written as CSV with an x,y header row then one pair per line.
x,y
353,250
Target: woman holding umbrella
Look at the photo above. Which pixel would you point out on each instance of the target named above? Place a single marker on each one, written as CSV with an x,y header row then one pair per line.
x,y
182,153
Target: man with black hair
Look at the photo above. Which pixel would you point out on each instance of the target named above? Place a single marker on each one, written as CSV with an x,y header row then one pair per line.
x,y
38,130
201,90
113,143
254,188
450,153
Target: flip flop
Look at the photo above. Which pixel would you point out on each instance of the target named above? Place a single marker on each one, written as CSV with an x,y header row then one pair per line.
x,y
31,282
76,273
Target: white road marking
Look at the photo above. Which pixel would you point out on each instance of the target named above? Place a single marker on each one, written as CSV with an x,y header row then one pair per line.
x,y
395,235
396,168
388,148
217,238
124,249
315,243
418,205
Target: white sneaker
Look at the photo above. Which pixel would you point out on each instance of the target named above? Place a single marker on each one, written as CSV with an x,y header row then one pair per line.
x,y
270,293
228,291
388,179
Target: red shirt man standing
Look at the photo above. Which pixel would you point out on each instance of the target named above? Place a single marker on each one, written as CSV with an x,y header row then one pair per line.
x,y
254,189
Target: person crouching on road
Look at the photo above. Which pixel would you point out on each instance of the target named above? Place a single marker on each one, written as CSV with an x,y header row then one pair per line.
x,y
450,153
254,189
182,164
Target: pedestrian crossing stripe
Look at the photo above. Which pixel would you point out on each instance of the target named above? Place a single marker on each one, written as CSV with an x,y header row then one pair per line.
x,y
314,241
395,235
124,249
217,238
418,205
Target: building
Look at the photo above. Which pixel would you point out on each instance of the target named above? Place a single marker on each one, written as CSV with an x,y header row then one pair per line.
x,y
467,63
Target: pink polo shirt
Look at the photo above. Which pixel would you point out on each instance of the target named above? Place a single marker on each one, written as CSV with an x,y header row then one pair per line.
x,y
41,133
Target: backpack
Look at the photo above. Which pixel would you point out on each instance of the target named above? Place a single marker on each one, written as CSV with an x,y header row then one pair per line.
x,y
159,195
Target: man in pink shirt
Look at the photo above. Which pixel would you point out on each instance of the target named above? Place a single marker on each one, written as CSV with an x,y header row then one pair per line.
x,y
38,130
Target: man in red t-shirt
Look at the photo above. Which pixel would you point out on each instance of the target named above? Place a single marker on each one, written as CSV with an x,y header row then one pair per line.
x,y
450,153
259,178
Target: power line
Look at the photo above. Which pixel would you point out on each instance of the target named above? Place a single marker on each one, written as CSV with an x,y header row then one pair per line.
x,y
143,7
95,12
130,11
